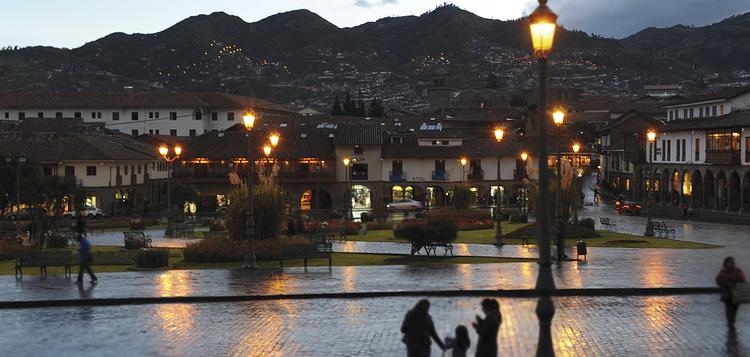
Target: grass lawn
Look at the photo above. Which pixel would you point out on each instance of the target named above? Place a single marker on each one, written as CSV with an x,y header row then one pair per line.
x,y
607,239
339,259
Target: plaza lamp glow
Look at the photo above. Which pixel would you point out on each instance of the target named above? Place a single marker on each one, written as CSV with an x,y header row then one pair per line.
x,y
347,161
651,137
558,116
576,148
499,133
164,152
463,161
524,156
248,119
274,139
267,150
542,26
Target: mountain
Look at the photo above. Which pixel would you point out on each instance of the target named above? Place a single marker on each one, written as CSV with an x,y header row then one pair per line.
x,y
298,55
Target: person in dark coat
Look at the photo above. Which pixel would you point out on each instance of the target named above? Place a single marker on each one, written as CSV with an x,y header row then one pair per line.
x,y
728,277
487,328
418,328
460,343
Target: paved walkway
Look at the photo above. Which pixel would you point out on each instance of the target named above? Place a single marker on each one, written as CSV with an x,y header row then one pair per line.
x,y
115,238
603,326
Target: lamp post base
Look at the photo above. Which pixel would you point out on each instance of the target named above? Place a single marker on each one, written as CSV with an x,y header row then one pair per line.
x,y
250,262
649,228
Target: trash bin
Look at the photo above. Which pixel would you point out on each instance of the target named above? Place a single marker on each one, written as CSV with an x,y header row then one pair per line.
x,y
581,249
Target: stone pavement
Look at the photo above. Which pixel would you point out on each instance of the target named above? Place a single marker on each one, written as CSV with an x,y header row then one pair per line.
x,y
583,326
115,238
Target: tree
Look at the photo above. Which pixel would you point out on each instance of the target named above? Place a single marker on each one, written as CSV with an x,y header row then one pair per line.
x,y
349,106
376,108
181,193
361,109
462,197
337,110
269,209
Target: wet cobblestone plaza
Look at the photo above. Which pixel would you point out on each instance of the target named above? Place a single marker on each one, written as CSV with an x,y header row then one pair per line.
x,y
681,325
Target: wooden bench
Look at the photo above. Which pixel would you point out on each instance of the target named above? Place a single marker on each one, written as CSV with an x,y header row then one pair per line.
x,y
44,259
307,251
183,230
663,230
607,224
432,247
136,240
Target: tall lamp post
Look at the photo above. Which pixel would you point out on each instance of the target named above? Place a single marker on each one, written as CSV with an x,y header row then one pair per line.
x,y
18,160
542,25
499,133
524,158
463,162
248,119
347,161
164,152
576,163
558,116
651,136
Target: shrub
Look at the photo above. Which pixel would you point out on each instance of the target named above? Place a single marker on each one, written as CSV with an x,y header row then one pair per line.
x,y
56,241
366,217
137,224
10,248
134,243
462,197
222,250
269,211
587,222
519,218
419,232
335,226
152,258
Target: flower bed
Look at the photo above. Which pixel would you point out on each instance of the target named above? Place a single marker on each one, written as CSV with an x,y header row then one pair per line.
x,y
222,250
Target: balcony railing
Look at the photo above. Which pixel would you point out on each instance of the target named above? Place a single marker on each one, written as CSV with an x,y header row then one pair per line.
x,y
397,176
476,175
723,157
439,176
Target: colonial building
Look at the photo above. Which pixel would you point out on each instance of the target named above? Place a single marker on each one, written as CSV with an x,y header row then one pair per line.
x,y
175,114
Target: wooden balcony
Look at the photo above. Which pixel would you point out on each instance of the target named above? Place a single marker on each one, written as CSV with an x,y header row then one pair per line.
x,y
723,157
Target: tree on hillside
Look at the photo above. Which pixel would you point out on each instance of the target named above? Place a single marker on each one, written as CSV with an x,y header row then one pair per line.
x,y
337,109
376,108
349,105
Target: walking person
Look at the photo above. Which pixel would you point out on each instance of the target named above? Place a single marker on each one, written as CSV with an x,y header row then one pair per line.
x,y
418,328
487,328
727,279
460,343
84,259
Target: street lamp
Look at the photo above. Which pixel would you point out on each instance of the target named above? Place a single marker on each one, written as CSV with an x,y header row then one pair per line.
x,y
19,160
558,116
651,136
463,162
267,151
274,139
576,162
524,156
542,25
347,161
499,133
164,152
248,119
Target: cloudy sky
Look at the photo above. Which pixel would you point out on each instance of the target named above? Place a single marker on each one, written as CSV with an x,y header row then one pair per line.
x,y
71,23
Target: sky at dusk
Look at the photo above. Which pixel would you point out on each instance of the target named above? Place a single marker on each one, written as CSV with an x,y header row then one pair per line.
x,y
71,23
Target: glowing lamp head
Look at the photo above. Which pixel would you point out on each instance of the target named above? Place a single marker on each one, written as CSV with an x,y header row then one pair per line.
x,y
274,138
576,147
163,150
651,136
248,119
524,156
542,26
346,161
499,133
178,150
463,161
267,150
558,116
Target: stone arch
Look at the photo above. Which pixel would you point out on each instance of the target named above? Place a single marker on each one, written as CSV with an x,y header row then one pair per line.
x,y
675,189
656,189
361,197
709,190
435,196
722,191
310,199
686,185
733,192
697,189
745,207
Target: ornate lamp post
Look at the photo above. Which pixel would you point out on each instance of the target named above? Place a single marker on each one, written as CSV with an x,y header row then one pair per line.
x,y
524,158
463,162
558,116
574,200
499,133
651,136
164,152
542,25
347,161
248,119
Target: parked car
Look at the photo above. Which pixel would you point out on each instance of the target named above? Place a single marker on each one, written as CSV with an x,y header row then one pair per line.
x,y
405,205
88,211
24,214
629,207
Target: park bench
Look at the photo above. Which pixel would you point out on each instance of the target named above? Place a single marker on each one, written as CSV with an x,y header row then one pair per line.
x,y
431,247
663,230
136,240
183,230
308,251
44,259
607,224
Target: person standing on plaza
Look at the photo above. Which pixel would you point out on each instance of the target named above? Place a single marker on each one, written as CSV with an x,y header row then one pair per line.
x,y
418,328
84,259
487,328
460,343
727,279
